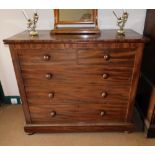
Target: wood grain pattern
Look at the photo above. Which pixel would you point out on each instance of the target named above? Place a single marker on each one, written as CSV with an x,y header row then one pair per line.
x,y
55,57
79,127
135,78
88,30
66,80
76,73
44,37
121,57
76,94
20,83
76,113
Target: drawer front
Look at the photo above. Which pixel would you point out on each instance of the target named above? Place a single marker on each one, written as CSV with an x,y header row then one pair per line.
x,y
71,74
39,57
64,94
94,56
76,113
77,85
110,57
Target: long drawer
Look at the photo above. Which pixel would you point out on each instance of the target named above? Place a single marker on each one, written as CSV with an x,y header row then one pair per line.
x,y
76,113
64,94
96,74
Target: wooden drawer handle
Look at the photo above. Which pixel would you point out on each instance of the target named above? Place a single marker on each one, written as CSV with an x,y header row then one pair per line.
x,y
105,76
102,113
51,95
104,94
48,76
53,113
106,57
46,57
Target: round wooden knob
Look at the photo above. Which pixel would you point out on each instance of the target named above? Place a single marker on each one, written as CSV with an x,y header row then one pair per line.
x,y
48,76
106,57
53,113
102,113
46,57
105,76
51,95
104,94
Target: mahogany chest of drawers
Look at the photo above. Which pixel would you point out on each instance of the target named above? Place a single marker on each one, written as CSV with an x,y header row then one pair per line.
x,y
76,83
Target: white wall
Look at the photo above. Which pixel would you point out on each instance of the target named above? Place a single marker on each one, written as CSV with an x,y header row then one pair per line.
x,y
12,22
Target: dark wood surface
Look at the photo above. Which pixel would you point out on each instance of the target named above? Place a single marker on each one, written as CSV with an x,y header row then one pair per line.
x,y
104,36
146,95
57,20
72,30
66,80
79,127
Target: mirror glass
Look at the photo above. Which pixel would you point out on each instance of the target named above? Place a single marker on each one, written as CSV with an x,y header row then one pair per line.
x,y
75,15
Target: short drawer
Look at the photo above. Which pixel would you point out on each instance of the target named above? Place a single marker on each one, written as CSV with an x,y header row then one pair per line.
x,y
31,57
76,113
110,57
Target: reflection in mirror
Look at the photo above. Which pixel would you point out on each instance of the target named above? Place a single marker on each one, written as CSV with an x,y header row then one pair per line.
x,y
75,15
75,21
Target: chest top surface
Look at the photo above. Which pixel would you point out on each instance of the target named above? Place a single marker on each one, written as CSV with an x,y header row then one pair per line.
x,y
109,35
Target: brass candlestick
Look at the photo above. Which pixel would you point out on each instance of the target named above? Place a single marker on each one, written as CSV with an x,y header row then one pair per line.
x,y
121,22
31,23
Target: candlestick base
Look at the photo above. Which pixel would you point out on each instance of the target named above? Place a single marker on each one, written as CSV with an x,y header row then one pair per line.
x,y
33,33
121,32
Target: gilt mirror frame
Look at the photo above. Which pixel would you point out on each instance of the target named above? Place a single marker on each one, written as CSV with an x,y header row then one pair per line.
x,y
91,28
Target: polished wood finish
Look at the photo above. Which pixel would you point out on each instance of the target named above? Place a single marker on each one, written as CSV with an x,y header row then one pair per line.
x,y
76,30
79,127
146,96
84,30
106,36
75,83
92,21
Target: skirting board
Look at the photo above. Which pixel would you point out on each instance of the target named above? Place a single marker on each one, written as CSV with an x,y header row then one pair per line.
x,y
7,99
